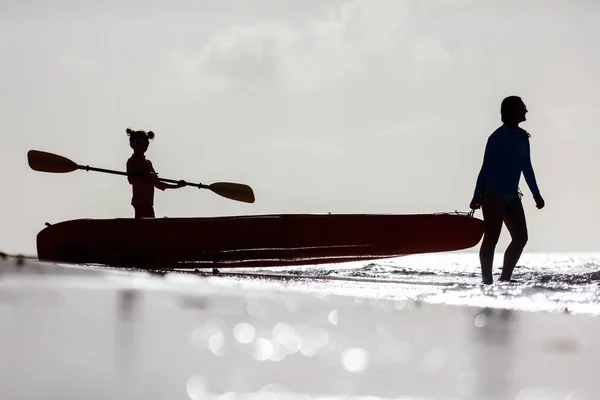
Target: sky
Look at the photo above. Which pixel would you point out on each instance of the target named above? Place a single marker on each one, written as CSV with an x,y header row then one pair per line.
x,y
354,106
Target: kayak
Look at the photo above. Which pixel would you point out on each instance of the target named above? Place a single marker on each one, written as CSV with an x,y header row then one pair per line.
x,y
254,240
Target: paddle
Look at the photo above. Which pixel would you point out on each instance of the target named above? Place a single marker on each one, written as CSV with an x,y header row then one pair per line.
x,y
48,162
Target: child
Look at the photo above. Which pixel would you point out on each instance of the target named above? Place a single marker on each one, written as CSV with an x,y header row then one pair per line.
x,y
143,179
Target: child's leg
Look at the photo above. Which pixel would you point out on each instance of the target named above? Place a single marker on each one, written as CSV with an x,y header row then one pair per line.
x,y
144,211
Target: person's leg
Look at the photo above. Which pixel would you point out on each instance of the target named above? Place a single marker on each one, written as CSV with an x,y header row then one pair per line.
x,y
493,208
144,211
517,226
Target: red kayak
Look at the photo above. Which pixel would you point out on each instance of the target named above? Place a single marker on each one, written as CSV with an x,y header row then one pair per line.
x,y
254,241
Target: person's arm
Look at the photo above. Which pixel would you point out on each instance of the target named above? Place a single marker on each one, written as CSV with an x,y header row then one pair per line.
x,y
530,175
489,158
162,185
129,168
136,172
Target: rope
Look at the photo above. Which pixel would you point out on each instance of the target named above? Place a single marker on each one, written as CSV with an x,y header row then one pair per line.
x,y
456,212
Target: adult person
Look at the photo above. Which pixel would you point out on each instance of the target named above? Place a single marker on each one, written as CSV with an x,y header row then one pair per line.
x,y
507,155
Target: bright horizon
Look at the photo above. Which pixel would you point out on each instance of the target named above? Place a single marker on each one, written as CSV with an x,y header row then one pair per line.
x,y
358,106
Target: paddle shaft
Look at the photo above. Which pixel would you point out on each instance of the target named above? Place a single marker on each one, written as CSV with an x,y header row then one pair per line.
x,y
110,171
48,162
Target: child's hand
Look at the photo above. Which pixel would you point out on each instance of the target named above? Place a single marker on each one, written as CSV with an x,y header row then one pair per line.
x,y
181,184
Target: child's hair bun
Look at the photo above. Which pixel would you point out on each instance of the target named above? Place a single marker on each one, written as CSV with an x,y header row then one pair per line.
x,y
150,135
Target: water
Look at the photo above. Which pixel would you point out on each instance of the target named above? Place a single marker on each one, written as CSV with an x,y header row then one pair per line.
x,y
555,282
564,282
348,331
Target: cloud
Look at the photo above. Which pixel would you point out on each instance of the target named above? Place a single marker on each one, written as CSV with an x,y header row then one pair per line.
x,y
242,54
350,42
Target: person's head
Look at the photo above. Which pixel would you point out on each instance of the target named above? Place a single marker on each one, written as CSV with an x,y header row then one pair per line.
x,y
513,110
139,140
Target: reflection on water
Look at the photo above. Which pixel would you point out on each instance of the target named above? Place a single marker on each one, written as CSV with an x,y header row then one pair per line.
x,y
493,353
132,336
125,328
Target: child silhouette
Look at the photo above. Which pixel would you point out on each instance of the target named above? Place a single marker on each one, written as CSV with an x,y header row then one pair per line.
x,y
142,176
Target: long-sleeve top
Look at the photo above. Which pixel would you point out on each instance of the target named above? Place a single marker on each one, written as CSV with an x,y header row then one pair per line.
x,y
507,154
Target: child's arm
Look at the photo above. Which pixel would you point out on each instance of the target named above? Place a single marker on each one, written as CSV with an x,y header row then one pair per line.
x,y
162,185
137,171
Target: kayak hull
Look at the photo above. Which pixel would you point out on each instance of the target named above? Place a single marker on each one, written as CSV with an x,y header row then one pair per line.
x,y
256,240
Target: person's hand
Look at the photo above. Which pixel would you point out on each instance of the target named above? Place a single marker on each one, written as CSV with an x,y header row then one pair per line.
x,y
475,203
181,184
539,202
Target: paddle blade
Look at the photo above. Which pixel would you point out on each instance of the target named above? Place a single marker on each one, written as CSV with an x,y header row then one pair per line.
x,y
234,191
48,162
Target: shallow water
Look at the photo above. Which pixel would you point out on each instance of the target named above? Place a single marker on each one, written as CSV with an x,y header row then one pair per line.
x,y
545,281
